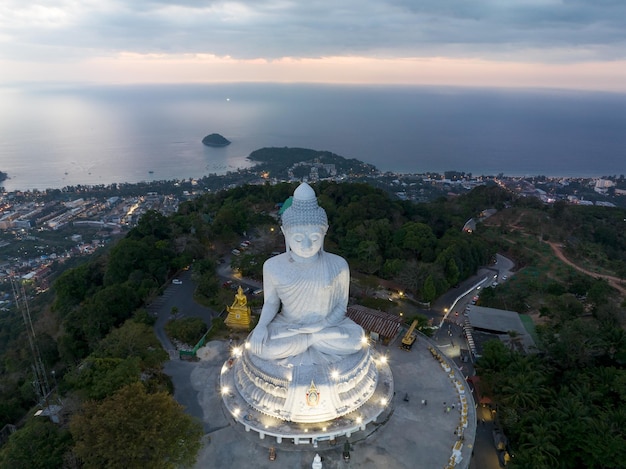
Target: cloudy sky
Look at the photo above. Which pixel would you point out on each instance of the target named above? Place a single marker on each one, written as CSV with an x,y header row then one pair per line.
x,y
548,43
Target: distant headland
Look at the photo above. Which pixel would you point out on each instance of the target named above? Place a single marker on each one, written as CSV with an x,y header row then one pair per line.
x,y
215,140
3,176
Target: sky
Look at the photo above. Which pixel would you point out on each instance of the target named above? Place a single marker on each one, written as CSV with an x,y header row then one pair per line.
x,y
572,44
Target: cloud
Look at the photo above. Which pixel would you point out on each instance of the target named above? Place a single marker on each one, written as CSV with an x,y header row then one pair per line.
x,y
551,43
532,30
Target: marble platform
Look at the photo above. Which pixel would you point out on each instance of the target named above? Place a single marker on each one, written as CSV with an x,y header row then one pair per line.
x,y
310,431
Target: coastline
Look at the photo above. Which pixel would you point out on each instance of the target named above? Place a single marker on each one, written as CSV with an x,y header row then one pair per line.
x,y
404,130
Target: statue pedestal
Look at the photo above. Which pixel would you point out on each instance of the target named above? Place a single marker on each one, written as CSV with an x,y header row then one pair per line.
x,y
306,393
238,318
308,403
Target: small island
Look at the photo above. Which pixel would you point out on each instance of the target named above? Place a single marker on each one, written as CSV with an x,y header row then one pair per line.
x,y
215,140
3,176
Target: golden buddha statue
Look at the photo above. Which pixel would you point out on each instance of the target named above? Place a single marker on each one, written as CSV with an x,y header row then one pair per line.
x,y
239,312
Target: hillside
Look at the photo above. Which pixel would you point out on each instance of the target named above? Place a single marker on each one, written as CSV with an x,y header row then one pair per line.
x,y
97,317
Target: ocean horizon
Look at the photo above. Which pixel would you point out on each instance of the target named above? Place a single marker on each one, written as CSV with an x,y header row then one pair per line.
x,y
56,136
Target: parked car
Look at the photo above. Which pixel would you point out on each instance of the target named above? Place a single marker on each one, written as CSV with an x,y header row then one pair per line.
x,y
177,281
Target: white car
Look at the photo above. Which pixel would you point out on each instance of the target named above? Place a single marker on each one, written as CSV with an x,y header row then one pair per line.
x,y
177,281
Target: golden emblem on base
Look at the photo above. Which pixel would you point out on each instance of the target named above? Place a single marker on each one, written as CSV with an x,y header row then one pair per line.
x,y
312,395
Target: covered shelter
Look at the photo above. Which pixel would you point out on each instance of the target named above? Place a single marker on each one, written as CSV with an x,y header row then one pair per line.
x,y
479,394
378,324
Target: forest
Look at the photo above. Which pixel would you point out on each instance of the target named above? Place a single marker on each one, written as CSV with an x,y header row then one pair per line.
x,y
95,333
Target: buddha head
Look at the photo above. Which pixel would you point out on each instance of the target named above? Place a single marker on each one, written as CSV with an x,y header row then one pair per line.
x,y
304,223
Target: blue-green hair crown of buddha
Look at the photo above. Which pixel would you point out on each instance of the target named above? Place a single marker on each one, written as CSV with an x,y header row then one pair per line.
x,y
304,209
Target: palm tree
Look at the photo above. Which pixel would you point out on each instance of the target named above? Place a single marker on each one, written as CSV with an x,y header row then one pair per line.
x,y
539,445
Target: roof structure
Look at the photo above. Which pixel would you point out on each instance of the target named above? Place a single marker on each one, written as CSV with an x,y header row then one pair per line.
x,y
384,324
495,320
500,322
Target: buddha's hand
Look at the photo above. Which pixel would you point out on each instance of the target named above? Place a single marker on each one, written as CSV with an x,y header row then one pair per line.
x,y
333,333
259,334
310,328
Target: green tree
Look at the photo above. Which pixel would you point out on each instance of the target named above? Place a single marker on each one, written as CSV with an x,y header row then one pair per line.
x,y
392,268
135,429
187,330
74,285
418,239
132,339
98,378
369,256
452,272
540,447
429,292
40,444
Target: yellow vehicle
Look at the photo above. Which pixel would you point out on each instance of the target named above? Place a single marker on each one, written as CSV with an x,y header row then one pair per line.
x,y
409,338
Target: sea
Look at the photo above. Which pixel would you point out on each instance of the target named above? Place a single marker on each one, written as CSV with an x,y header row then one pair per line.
x,y
53,136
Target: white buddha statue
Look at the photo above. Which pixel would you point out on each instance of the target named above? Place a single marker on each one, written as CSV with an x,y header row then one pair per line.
x,y
306,293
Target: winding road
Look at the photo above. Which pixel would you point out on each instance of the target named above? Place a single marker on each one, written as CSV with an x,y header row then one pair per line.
x,y
615,282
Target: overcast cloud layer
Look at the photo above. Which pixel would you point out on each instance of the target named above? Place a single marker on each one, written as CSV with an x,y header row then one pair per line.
x,y
530,31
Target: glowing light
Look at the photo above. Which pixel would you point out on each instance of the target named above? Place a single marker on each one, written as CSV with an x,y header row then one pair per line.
x,y
224,368
306,430
225,390
247,345
383,359
364,340
359,420
236,411
237,351
324,429
383,401
335,374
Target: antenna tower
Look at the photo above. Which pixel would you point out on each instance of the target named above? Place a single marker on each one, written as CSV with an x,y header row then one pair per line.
x,y
40,382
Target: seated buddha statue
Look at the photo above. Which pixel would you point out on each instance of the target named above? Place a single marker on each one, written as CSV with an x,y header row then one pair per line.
x,y
303,318
239,312
241,300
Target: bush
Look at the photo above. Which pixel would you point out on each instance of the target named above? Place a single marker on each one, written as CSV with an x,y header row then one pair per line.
x,y
186,330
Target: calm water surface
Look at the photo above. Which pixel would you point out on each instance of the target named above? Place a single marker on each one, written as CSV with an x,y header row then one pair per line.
x,y
58,136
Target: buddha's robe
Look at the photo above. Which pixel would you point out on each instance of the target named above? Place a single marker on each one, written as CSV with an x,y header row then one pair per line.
x,y
311,294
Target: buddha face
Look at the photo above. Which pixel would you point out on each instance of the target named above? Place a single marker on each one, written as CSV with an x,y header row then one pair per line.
x,y
306,240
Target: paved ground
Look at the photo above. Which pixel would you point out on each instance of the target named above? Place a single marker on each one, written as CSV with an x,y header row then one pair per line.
x,y
414,436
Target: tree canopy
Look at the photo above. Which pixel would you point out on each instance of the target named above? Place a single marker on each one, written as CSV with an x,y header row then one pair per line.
x,y
135,429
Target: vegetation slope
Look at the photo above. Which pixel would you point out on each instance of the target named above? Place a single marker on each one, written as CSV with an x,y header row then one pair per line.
x,y
96,334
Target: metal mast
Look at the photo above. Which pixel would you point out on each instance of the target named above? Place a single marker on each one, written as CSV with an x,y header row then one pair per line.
x,y
40,382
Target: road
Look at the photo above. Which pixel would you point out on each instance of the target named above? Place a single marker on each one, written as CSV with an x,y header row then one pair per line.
x,y
615,282
179,297
451,341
